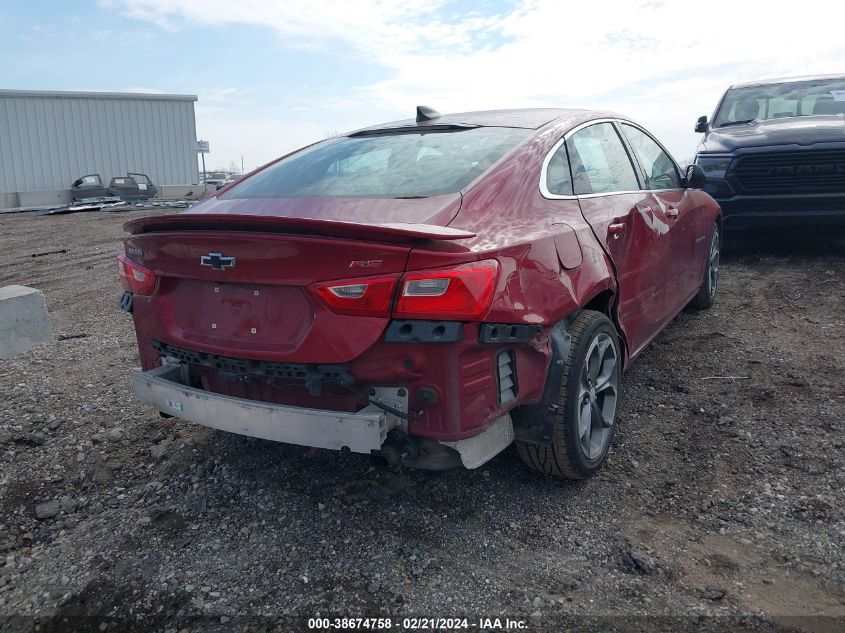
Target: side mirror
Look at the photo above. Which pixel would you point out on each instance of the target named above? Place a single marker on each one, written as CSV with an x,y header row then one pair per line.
x,y
695,177
76,182
701,124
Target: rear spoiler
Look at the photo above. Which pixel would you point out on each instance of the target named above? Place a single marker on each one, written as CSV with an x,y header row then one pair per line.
x,y
390,232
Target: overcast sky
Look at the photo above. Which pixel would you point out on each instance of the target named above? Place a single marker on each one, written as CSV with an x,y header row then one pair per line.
x,y
273,75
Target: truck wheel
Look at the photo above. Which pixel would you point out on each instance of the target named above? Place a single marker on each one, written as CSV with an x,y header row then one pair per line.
x,y
586,414
706,296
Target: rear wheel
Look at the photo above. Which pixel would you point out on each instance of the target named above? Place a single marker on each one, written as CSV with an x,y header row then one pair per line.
x,y
586,414
706,296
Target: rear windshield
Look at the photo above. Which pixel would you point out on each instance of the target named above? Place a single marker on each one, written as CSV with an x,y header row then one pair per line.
x,y
400,165
774,101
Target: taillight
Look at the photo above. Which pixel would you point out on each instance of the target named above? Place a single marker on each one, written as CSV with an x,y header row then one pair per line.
x,y
134,277
461,293
369,296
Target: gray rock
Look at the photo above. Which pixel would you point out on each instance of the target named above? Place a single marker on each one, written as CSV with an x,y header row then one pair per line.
x,y
158,451
68,505
712,593
102,474
48,509
639,562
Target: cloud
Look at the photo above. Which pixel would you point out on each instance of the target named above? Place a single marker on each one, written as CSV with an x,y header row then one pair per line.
x,y
663,63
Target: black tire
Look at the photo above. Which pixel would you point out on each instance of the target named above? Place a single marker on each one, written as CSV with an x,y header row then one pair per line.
x,y
706,296
566,456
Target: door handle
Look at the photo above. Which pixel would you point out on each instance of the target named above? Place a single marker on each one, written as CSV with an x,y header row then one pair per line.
x,y
616,229
671,212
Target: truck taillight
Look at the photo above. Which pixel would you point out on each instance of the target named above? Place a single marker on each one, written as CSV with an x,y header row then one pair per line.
x,y
135,278
370,296
463,293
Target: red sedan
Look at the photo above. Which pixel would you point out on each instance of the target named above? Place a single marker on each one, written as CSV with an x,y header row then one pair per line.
x,y
428,290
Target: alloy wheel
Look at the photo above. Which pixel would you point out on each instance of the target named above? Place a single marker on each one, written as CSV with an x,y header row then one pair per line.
x,y
598,395
713,262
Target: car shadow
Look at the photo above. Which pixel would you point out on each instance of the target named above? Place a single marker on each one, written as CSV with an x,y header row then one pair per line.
x,y
799,243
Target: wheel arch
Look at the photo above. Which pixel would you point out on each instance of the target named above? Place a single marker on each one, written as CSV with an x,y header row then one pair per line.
x,y
604,301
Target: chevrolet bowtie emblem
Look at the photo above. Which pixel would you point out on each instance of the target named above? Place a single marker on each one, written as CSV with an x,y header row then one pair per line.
x,y
217,261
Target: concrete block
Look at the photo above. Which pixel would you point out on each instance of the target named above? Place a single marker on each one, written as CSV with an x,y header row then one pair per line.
x,y
24,322
56,198
180,191
9,200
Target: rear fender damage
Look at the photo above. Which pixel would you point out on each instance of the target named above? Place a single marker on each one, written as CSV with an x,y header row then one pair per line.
x,y
535,423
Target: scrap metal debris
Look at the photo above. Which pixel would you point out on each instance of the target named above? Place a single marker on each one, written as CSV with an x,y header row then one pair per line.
x,y
132,186
132,192
85,204
112,203
68,337
64,250
163,204
88,186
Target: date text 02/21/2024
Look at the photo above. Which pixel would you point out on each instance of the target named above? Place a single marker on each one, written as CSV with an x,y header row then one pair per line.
x,y
415,624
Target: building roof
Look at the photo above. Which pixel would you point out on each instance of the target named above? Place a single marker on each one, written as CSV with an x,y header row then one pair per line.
x,y
60,94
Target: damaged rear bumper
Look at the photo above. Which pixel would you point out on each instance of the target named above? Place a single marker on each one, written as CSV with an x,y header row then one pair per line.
x,y
366,431
362,432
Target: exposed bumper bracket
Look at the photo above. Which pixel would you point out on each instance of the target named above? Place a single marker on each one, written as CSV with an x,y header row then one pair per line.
x,y
362,432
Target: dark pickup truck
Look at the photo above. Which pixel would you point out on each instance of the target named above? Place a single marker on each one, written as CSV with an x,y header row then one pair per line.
x,y
774,153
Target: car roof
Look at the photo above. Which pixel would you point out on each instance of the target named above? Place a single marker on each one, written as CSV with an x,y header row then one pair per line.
x,y
785,80
528,118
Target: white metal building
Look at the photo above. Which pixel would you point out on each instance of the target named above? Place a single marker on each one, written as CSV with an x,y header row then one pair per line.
x,y
49,139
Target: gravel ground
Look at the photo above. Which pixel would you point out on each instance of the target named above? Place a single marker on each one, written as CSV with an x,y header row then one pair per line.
x,y
720,505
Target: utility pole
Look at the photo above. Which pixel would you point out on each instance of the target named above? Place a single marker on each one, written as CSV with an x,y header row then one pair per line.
x,y
242,163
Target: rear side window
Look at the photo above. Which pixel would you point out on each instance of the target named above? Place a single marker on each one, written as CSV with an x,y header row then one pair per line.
x,y
392,165
599,161
558,176
660,170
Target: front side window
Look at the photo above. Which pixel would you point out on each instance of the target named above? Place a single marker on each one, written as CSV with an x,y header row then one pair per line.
x,y
775,101
660,169
406,164
599,161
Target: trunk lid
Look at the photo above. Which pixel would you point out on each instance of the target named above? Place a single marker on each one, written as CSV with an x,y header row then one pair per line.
x,y
236,284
